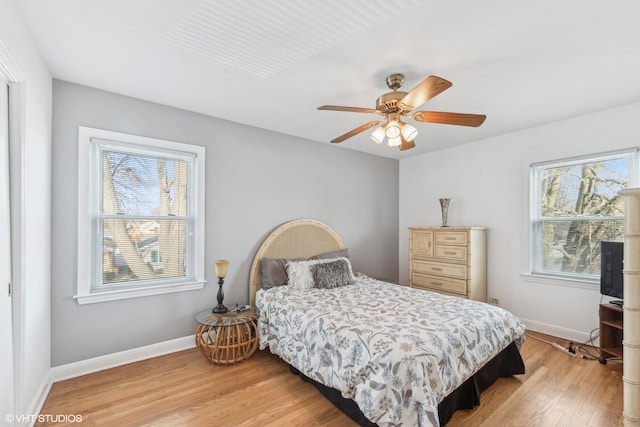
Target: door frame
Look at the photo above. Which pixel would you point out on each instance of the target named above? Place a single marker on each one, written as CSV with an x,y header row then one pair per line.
x,y
15,78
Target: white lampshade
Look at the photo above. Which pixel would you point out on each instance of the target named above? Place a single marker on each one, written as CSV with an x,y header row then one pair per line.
x,y
409,132
393,129
378,135
395,142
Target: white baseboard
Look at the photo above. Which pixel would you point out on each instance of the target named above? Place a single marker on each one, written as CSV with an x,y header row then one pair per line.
x,y
36,405
568,334
88,366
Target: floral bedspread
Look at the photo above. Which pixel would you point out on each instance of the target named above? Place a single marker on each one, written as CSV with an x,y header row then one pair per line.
x,y
396,351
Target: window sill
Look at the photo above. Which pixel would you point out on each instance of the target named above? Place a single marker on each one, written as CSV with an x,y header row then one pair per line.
x,y
592,285
135,293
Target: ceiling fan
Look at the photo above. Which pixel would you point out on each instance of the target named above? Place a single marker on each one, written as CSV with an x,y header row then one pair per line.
x,y
396,105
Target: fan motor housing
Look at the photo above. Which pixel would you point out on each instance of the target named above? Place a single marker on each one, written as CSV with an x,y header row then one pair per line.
x,y
388,103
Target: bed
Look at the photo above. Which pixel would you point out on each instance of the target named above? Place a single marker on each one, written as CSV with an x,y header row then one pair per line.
x,y
385,354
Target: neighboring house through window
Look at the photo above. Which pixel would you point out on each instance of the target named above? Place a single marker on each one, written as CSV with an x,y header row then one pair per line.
x,y
574,206
141,216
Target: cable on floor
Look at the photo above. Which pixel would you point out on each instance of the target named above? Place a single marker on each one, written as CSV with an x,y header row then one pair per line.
x,y
553,344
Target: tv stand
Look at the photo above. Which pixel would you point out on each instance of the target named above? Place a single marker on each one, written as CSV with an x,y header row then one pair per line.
x,y
617,302
611,331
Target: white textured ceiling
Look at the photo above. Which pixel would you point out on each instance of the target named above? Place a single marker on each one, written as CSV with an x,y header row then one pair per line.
x,y
271,63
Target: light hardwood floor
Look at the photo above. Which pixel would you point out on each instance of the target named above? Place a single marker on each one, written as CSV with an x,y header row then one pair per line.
x,y
183,389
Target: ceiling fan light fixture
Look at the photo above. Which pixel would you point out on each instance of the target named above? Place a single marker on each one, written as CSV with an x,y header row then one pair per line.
x,y
393,129
395,142
378,135
409,132
396,106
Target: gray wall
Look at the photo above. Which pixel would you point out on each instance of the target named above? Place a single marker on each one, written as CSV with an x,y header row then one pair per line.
x,y
266,179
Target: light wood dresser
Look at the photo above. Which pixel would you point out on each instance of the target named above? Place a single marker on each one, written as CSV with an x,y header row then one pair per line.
x,y
449,260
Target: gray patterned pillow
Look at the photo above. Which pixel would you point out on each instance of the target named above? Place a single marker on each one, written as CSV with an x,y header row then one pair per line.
x,y
332,274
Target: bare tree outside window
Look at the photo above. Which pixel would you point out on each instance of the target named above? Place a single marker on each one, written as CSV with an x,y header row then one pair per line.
x,y
576,207
145,218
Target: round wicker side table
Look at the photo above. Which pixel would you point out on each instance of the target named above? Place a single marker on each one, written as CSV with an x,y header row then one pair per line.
x,y
227,338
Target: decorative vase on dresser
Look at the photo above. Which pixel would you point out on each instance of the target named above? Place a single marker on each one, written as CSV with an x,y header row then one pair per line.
x,y
449,260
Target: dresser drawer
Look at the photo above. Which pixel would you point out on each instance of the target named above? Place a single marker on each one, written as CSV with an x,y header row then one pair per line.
x,y
440,269
453,253
451,237
451,294
434,283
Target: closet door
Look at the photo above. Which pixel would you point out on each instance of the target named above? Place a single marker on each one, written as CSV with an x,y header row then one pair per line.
x,y
6,311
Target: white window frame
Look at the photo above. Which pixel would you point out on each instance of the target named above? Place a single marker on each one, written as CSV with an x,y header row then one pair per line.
x,y
534,212
89,162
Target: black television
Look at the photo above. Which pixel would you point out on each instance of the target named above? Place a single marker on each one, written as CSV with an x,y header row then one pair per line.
x,y
611,265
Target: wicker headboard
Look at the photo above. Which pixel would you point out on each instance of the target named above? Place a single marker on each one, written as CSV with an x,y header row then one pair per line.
x,y
301,238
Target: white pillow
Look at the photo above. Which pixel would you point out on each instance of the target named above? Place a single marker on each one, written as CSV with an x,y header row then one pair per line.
x,y
299,273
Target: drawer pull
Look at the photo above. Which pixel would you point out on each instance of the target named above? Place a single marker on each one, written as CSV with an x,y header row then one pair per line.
x,y
449,238
436,283
449,252
436,269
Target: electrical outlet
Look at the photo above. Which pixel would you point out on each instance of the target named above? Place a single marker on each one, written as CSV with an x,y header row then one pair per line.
x,y
494,301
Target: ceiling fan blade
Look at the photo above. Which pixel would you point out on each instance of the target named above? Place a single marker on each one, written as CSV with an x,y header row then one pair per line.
x,y
348,109
430,87
355,131
458,119
406,145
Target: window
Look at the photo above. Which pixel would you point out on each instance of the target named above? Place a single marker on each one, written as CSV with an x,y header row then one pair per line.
x,y
141,216
574,206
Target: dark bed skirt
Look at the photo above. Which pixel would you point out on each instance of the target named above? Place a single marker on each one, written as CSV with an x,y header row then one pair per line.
x,y
467,396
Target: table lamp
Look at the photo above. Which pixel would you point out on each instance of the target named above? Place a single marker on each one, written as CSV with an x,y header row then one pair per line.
x,y
221,272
